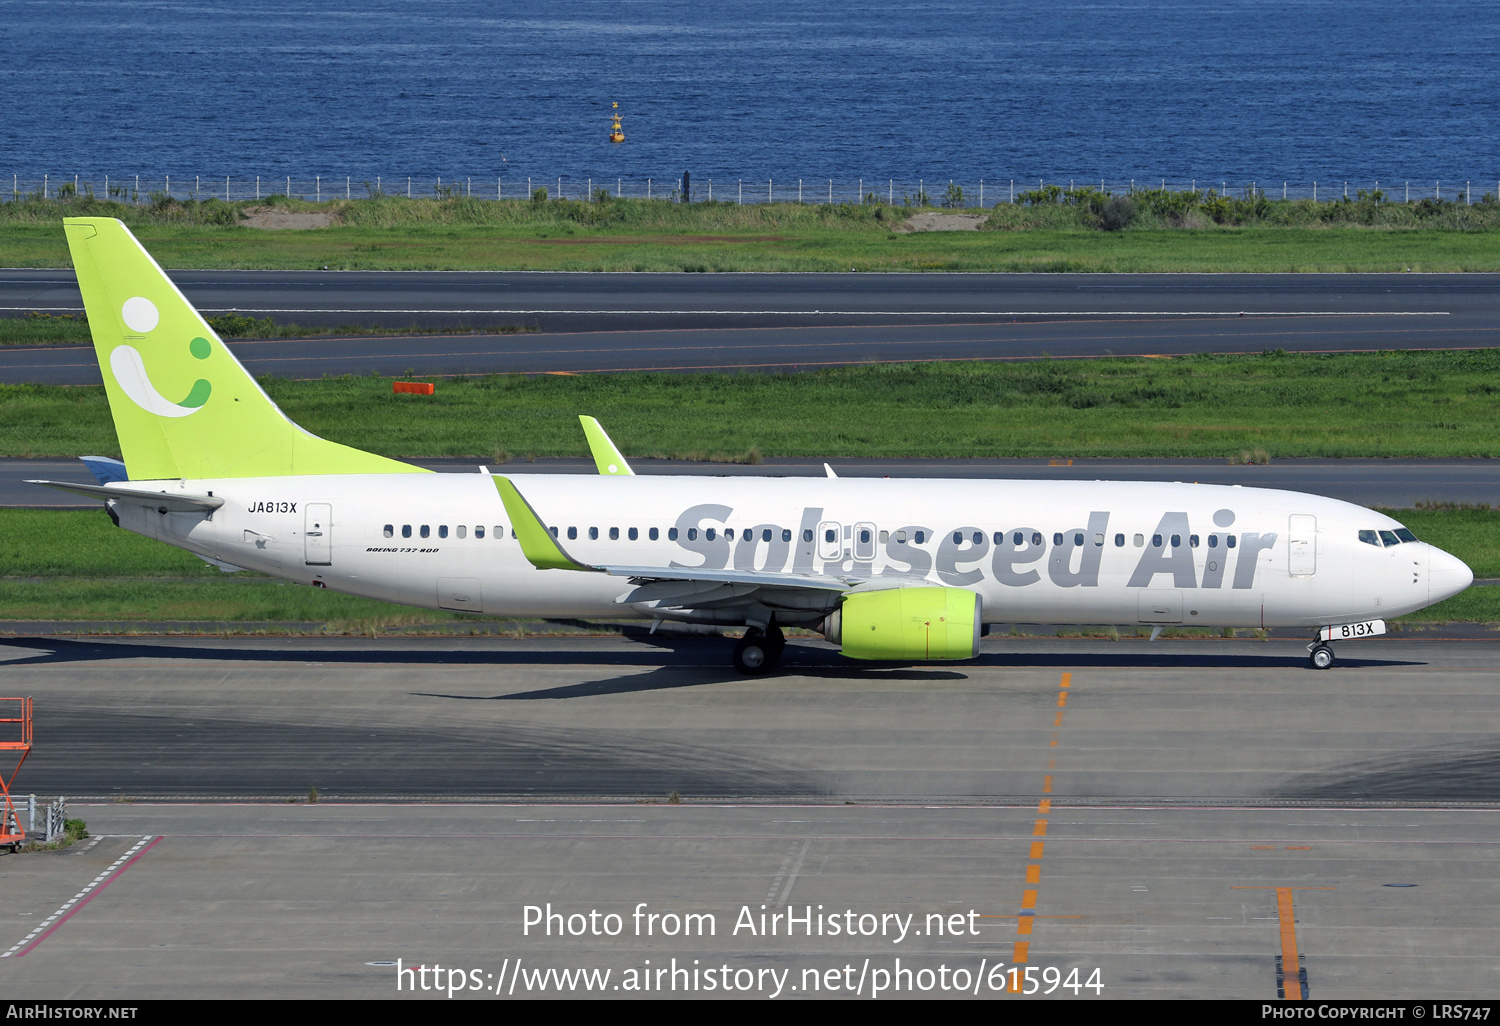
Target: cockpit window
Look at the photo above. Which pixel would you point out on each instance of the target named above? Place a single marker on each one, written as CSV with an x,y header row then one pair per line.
x,y
1370,538
1389,537
1405,535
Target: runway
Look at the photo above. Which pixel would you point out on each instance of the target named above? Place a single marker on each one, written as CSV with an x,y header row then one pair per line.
x,y
1178,815
616,322
1366,482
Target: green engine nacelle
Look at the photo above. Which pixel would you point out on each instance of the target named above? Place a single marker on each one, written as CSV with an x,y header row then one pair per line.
x,y
907,624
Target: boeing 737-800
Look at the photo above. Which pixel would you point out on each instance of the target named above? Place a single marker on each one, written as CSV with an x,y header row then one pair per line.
x,y
904,570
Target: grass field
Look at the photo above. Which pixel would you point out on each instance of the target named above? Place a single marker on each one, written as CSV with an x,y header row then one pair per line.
x,y
1238,408
1060,233
76,565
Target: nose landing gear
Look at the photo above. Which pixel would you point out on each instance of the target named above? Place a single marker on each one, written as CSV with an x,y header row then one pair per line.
x,y
759,650
1319,655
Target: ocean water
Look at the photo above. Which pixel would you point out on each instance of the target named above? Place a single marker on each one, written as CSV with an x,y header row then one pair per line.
x,y
1270,91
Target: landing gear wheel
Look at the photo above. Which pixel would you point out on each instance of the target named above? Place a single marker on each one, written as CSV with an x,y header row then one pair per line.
x,y
1321,657
777,642
752,654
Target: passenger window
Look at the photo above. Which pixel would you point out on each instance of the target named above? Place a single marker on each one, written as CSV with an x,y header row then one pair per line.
x,y
479,531
572,533
978,537
828,536
786,534
1389,537
864,537
1017,538
634,534
463,532
614,534
765,535
807,534
1119,541
593,534
1078,538
554,532
1229,541
671,534
885,536
1036,537
442,530
1057,538
708,533
958,537
406,530
1213,541
1098,539
1405,535
1156,541
1176,541
999,537
900,537
920,538
653,534
390,531
693,533
1140,540
1193,540
426,531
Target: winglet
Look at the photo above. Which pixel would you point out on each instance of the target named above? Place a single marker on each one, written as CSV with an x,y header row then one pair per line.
x,y
537,543
606,457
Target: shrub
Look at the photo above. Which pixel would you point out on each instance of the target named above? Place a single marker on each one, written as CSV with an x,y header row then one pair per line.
x,y
1118,212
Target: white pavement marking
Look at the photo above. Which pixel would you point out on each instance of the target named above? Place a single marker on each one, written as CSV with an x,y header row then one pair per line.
x,y
75,899
796,868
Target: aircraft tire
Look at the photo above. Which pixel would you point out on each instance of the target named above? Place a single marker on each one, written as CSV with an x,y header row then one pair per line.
x,y
1321,657
753,655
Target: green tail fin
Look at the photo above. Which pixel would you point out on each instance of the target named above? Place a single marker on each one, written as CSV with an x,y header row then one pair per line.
x,y
182,404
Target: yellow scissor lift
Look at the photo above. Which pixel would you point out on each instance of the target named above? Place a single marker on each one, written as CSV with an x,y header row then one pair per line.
x,y
11,831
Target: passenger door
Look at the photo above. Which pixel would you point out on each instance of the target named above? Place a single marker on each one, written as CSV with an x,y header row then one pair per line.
x,y
1302,545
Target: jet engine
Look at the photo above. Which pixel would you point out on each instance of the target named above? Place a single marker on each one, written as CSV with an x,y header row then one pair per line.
x,y
907,624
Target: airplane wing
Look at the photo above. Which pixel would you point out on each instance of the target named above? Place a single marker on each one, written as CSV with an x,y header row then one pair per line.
x,y
162,502
667,586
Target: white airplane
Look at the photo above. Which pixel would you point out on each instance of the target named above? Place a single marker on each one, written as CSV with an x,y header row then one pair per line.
x,y
907,570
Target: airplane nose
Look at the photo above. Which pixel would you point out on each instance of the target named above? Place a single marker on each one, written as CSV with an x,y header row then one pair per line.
x,y
1447,575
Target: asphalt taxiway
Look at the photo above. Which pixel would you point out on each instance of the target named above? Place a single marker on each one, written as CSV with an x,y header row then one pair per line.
x,y
1191,818
614,322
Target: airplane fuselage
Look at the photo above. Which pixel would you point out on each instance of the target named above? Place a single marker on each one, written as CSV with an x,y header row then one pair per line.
x,y
1035,551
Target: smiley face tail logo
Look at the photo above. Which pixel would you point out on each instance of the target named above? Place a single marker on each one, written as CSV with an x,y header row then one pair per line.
x,y
125,363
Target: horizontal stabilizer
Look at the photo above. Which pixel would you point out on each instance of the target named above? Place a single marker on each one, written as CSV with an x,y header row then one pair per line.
x,y
166,502
105,470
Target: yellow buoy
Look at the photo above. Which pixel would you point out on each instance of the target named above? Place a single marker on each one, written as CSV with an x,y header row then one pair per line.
x,y
616,134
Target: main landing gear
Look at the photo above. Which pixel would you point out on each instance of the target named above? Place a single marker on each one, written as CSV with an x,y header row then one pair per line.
x,y
1319,655
759,650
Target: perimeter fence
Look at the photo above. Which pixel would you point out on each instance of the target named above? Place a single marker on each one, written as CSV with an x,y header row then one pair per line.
x,y
919,192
